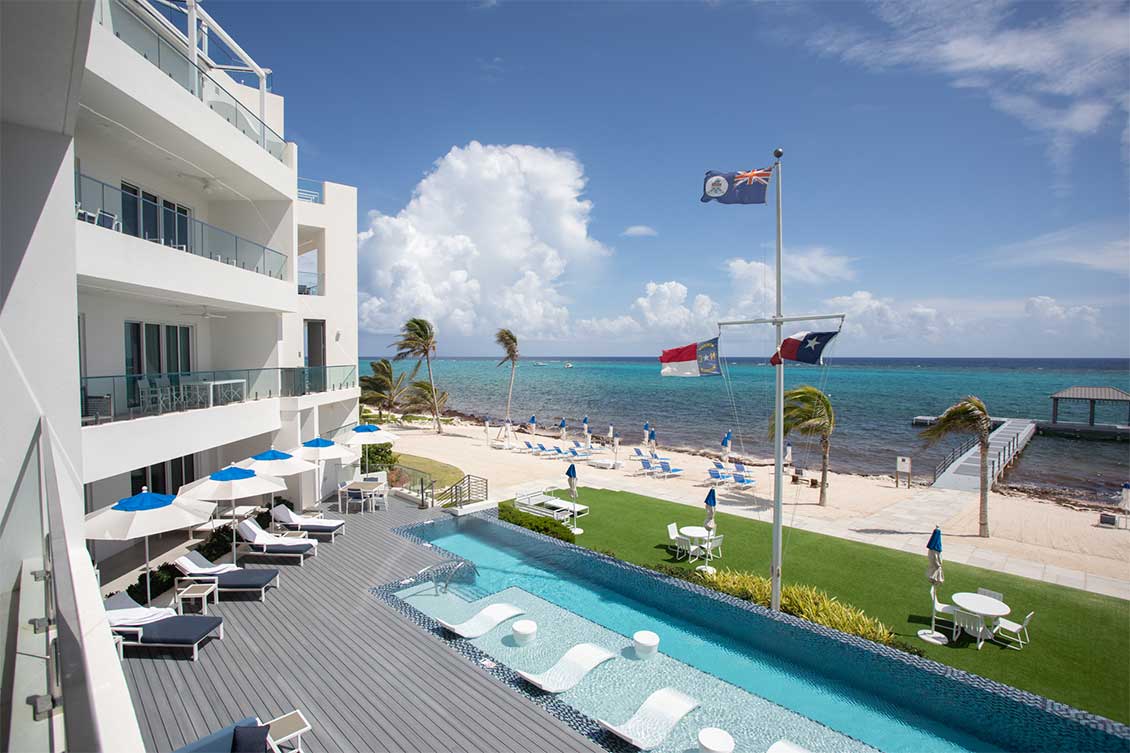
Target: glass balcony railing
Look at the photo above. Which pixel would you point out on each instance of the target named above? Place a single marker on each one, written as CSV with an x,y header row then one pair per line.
x,y
313,191
311,283
128,212
126,396
131,29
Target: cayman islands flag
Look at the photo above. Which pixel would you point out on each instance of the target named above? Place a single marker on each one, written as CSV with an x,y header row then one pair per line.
x,y
806,347
696,359
746,187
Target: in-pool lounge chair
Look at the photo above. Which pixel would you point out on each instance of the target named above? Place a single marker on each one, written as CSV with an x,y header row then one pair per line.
x,y
286,518
228,578
159,627
786,746
258,541
569,669
654,720
485,621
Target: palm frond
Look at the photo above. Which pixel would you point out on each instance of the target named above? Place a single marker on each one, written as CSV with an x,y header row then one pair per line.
x,y
807,411
967,416
417,339
508,341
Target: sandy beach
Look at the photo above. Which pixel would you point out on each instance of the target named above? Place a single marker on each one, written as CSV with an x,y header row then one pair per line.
x,y
1030,537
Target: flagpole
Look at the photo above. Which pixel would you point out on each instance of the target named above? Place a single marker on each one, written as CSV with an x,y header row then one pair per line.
x,y
779,415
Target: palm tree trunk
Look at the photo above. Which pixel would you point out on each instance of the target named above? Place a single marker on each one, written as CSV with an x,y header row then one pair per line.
x,y
826,446
510,392
983,527
435,402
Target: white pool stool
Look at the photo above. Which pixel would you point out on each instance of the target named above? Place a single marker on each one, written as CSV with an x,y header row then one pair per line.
x,y
524,632
646,643
714,740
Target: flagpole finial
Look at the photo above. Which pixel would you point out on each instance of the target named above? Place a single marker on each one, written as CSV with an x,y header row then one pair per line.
x,y
778,152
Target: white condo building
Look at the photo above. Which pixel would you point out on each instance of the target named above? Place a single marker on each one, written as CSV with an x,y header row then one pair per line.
x,y
174,297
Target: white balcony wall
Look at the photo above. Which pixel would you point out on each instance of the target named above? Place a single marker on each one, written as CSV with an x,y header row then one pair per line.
x,y
270,223
246,341
112,260
249,97
113,448
105,314
125,90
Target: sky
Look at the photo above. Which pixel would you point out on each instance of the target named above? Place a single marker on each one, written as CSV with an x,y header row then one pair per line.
x,y
956,175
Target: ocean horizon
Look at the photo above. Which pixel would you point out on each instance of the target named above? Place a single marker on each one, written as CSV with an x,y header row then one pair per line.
x,y
875,399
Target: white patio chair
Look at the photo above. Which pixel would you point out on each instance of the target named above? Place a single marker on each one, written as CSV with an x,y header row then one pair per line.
x,y
991,594
972,625
940,608
712,547
1019,631
681,543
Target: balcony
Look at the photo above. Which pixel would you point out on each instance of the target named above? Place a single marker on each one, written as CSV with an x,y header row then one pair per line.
x,y
312,191
140,34
127,396
117,209
311,283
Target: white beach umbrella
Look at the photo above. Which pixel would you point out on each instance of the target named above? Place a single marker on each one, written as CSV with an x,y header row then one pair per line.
x,y
934,572
320,450
144,515
611,431
486,431
561,426
615,449
364,434
711,502
230,484
277,463
646,432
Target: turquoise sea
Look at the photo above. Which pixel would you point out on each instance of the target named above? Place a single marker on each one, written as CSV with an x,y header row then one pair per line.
x,y
875,400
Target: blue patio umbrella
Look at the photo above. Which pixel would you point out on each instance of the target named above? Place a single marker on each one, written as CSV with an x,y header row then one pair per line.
x,y
534,425
651,438
571,474
646,429
561,426
726,440
585,424
143,515
711,502
230,484
934,557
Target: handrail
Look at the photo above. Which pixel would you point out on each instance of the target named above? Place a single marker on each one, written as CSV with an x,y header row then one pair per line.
x,y
312,191
102,204
953,455
465,490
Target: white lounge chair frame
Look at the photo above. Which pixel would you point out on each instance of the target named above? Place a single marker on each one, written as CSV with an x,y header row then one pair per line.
x,y
298,537
570,669
486,620
654,720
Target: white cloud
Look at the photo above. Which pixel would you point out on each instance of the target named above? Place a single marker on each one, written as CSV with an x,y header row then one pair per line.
x,y
1100,247
639,231
1062,74
483,243
1053,319
882,319
817,265
617,326
663,307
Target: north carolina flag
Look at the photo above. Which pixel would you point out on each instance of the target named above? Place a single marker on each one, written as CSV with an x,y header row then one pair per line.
x,y
805,347
696,359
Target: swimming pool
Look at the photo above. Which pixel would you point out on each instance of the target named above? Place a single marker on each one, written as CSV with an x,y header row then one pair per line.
x,y
876,696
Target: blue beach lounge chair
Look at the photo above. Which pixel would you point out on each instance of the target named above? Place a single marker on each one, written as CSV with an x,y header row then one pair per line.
x,y
228,578
159,627
291,521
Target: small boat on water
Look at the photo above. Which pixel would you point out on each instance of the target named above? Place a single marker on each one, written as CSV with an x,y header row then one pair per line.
x,y
539,363
568,365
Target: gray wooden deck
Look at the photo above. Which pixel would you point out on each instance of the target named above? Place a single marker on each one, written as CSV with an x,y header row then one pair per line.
x,y
379,683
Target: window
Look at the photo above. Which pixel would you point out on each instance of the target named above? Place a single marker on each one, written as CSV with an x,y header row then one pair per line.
x,y
164,478
146,215
150,218
130,209
157,349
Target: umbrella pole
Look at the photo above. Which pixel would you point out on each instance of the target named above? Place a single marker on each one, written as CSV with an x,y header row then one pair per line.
x,y
233,530
148,594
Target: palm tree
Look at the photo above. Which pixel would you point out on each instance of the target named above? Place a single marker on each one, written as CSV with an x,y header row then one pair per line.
x,y
422,397
968,416
808,411
508,341
418,340
386,389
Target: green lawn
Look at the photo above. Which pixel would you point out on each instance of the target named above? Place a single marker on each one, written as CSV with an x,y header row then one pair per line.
x,y
1080,650
445,475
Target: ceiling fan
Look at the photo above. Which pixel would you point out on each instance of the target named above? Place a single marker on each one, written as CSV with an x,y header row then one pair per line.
x,y
206,314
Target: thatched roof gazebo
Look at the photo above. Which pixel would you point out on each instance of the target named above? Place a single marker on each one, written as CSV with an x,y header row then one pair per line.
x,y
1091,395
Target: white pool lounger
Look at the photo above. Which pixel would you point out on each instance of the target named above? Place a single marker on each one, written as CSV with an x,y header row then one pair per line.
x,y
784,746
570,668
654,720
483,622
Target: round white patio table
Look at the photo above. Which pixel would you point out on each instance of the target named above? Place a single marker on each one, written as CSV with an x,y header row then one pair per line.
x,y
985,606
697,534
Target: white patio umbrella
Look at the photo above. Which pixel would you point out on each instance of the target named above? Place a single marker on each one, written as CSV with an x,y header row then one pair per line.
x,y
486,430
320,450
230,484
711,502
144,515
365,434
935,575
276,463
561,426
615,450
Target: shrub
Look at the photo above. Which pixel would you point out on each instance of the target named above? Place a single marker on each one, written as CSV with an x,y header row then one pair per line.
x,y
218,544
379,455
548,526
161,580
807,602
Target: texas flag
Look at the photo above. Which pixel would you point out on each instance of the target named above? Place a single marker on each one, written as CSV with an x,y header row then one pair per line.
x,y
696,359
806,347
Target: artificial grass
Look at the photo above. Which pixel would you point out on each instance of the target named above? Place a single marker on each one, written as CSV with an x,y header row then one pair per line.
x,y
443,474
1080,649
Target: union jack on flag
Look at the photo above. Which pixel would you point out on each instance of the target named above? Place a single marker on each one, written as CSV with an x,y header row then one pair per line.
x,y
761,176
